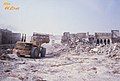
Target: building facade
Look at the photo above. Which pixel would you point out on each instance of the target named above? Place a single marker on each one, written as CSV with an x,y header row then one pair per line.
x,y
8,37
103,38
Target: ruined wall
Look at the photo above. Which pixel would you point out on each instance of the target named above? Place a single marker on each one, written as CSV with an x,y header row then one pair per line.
x,y
81,35
115,36
65,38
73,39
103,38
91,39
103,35
15,37
8,37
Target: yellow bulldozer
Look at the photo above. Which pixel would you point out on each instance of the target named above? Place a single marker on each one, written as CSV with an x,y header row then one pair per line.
x,y
33,48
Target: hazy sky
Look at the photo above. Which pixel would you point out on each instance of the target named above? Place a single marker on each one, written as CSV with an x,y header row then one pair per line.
x,y
57,16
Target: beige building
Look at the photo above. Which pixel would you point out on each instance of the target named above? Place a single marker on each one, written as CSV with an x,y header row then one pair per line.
x,y
103,38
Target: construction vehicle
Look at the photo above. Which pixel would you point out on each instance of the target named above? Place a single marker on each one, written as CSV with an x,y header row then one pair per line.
x,y
33,48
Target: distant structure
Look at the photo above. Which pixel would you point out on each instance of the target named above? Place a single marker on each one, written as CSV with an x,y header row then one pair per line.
x,y
81,36
73,39
8,37
65,38
103,38
97,39
115,36
91,39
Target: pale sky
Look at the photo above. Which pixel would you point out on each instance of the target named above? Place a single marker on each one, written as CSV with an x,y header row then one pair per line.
x,y
58,16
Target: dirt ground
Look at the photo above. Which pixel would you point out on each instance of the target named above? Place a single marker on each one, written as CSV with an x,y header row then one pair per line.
x,y
63,64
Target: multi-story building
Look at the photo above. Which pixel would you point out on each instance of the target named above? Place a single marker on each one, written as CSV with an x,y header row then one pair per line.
x,y
8,37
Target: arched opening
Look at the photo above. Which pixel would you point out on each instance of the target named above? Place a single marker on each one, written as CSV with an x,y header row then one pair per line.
x,y
97,41
108,41
105,41
101,41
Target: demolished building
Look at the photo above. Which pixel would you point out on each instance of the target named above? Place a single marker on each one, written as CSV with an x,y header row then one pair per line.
x,y
115,36
8,37
91,39
81,36
103,38
65,38
97,39
73,39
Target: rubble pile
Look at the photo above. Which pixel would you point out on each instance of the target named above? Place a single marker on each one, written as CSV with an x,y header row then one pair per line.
x,y
83,48
114,52
72,40
111,51
4,54
84,62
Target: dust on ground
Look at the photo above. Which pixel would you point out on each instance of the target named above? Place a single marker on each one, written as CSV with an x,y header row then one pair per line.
x,y
83,63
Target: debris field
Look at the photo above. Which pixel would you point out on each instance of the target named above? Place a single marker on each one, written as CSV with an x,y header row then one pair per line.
x,y
62,63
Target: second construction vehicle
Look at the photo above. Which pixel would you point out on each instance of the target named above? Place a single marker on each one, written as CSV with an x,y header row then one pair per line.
x,y
33,48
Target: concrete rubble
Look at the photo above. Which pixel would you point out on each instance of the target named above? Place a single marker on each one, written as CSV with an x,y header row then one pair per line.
x,y
82,62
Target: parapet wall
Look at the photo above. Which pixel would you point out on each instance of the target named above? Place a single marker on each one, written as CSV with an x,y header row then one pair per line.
x,y
103,35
